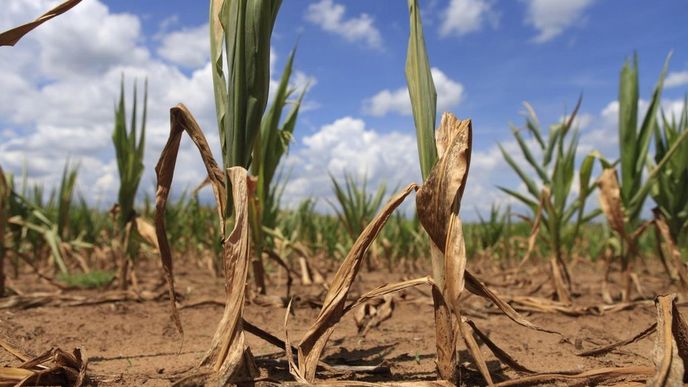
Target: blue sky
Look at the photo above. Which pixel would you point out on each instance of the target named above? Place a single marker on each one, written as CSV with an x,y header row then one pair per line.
x,y
489,56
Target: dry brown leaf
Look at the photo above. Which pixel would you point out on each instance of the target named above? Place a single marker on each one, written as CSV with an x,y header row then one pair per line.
x,y
313,342
535,230
671,345
608,348
444,186
53,367
305,272
474,350
229,355
591,377
11,37
476,287
560,287
293,368
182,121
610,200
501,354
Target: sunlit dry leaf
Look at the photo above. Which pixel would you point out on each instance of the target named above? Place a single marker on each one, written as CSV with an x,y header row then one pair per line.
x,y
228,354
313,342
181,120
11,37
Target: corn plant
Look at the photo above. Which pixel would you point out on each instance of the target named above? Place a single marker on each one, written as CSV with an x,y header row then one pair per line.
x,y
549,187
129,147
623,200
671,212
672,181
241,30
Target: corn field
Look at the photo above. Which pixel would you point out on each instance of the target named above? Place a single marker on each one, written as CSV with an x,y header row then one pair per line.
x,y
579,278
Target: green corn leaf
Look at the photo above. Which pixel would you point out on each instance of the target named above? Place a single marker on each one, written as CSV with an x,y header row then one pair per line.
x,y
530,184
628,117
422,91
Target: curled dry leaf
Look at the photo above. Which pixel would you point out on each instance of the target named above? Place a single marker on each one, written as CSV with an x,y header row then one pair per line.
x,y
313,342
229,355
671,345
11,37
181,121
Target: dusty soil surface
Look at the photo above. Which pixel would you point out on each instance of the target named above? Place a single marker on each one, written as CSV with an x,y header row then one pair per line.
x,y
132,343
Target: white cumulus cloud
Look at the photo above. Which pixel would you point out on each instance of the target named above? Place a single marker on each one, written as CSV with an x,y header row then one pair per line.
x,y
551,17
188,48
60,85
465,16
330,16
449,94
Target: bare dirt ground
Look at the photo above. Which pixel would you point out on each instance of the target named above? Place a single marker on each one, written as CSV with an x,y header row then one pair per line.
x,y
130,343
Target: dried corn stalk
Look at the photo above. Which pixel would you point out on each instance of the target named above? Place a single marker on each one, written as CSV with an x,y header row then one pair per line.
x,y
438,203
228,355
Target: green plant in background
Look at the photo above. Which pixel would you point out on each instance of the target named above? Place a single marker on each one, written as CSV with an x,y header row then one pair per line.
x,y
65,196
492,230
129,151
356,207
549,186
671,184
93,279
